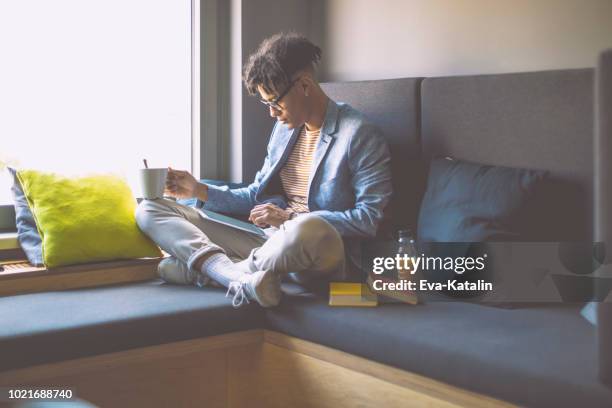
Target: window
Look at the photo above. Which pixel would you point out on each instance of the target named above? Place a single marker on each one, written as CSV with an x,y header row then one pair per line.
x,y
95,86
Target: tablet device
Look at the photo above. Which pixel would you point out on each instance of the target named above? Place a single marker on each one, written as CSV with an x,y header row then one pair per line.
x,y
233,222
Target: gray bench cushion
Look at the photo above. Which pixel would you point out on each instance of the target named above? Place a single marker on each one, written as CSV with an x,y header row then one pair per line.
x,y
47,327
536,357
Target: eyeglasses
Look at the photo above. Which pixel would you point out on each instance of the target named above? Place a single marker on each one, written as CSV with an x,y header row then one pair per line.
x,y
274,102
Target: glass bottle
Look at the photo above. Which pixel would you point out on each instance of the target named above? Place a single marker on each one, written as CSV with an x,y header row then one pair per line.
x,y
406,250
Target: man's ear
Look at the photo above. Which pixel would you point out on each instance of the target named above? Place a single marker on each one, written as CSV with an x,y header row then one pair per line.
x,y
306,83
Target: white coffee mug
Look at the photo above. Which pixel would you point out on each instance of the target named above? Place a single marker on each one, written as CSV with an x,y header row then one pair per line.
x,y
153,182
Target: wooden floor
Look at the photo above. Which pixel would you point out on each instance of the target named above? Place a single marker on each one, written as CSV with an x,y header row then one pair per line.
x,y
255,368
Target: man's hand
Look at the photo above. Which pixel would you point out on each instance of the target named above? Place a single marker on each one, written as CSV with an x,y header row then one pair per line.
x,y
268,214
181,184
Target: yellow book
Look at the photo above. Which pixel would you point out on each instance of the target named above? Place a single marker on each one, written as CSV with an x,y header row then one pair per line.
x,y
345,288
351,294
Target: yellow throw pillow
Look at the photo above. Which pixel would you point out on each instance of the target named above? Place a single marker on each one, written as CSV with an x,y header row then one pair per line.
x,y
85,219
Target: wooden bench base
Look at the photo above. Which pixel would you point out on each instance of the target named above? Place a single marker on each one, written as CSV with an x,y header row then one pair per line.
x,y
255,368
19,277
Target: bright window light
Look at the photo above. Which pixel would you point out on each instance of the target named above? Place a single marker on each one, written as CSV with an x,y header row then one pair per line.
x,y
90,86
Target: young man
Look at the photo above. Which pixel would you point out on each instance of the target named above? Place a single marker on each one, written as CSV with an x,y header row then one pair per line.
x,y
326,177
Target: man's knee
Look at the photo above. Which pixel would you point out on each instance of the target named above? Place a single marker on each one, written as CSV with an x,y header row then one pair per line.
x,y
313,234
147,211
311,228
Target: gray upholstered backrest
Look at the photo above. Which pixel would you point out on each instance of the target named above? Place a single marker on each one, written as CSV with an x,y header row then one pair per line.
x,y
604,207
538,120
393,105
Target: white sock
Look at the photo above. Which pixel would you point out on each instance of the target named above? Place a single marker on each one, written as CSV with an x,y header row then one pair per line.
x,y
220,268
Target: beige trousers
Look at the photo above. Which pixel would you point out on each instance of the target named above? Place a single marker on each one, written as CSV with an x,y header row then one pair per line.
x,y
306,248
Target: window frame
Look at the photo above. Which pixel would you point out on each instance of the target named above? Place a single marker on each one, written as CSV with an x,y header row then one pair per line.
x,y
7,218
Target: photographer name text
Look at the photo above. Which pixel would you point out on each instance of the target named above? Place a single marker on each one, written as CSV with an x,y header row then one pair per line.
x,y
424,285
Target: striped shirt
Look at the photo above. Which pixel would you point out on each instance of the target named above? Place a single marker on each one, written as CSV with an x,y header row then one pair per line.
x,y
296,171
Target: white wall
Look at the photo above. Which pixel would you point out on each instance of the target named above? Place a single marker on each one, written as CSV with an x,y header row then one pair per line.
x,y
368,39
375,39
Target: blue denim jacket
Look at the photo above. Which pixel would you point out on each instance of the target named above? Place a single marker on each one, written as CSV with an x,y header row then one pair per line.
x,y
349,185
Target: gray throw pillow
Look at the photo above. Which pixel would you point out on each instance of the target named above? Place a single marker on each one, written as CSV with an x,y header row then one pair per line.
x,y
27,233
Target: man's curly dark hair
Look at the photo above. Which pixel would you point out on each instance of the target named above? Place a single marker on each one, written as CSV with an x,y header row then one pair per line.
x,y
277,59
